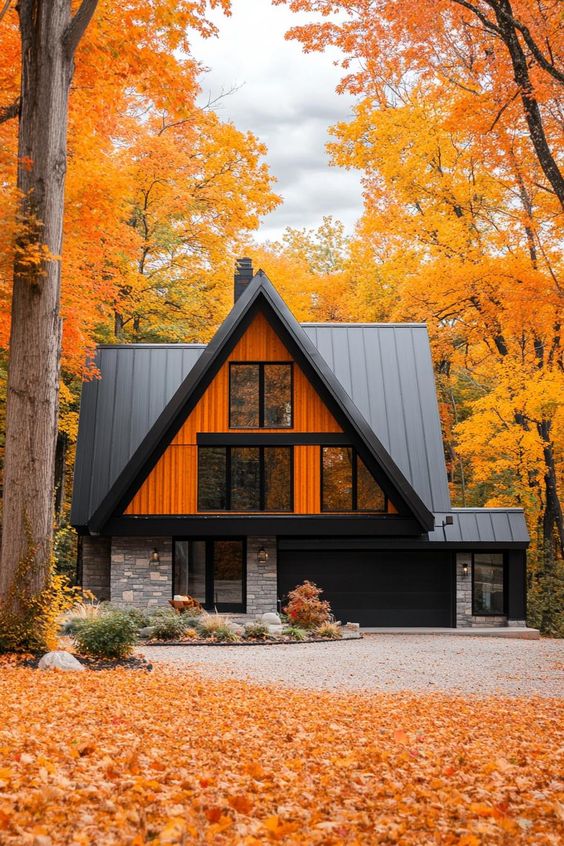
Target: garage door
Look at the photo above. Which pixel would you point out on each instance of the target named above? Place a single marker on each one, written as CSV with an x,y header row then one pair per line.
x,y
373,587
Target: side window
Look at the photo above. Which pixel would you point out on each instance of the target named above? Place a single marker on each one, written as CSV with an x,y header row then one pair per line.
x,y
260,395
487,584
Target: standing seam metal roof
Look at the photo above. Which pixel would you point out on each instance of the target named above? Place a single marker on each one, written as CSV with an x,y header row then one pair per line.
x,y
385,368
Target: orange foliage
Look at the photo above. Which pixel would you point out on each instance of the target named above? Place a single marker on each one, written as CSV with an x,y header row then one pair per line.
x,y
121,757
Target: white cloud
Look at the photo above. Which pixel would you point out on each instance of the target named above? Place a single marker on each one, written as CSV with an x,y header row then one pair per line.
x,y
288,99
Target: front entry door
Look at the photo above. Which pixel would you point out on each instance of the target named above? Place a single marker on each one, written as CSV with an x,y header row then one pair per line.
x,y
211,571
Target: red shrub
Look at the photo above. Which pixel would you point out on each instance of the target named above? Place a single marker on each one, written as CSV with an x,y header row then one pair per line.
x,y
305,608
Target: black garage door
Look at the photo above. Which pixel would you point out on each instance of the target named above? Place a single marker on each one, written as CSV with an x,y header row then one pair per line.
x,y
376,587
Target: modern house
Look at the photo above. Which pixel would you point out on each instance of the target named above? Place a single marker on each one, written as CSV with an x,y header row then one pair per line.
x,y
281,452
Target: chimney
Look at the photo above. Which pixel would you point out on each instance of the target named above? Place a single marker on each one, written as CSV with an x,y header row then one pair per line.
x,y
243,275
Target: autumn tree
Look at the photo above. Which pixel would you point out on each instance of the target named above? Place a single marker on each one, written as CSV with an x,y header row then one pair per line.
x,y
50,35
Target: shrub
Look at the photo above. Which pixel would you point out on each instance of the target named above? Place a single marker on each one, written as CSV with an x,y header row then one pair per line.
x,y
295,633
329,630
171,627
111,635
29,622
305,608
218,627
256,631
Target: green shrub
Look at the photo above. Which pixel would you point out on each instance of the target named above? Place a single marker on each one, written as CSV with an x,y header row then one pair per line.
x,y
171,627
305,608
111,635
329,630
256,631
295,633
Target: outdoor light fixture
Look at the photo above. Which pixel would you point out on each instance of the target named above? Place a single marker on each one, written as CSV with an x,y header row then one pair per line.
x,y
448,521
262,555
155,557
465,568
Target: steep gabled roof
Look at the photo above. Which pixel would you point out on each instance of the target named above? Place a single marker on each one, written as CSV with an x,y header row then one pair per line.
x,y
260,295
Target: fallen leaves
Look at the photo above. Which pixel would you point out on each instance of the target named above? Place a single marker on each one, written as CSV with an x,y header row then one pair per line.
x,y
120,757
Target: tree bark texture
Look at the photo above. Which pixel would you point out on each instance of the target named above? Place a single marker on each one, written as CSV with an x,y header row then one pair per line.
x,y
46,30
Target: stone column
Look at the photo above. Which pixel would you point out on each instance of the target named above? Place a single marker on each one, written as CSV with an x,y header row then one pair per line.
x,y
261,578
137,580
95,566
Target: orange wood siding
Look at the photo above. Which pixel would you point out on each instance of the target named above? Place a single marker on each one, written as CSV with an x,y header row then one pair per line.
x,y
171,487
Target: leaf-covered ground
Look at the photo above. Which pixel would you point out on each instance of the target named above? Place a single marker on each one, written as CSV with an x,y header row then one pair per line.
x,y
122,757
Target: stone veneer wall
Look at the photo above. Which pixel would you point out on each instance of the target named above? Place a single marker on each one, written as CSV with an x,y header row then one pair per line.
x,y
135,579
95,565
464,616
261,578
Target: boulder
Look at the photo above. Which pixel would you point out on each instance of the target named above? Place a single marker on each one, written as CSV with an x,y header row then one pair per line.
x,y
147,631
59,660
275,630
271,619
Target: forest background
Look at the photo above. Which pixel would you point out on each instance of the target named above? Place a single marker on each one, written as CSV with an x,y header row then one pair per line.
x,y
456,130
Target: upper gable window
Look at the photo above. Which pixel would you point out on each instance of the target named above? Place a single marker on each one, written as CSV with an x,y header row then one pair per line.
x,y
260,395
346,482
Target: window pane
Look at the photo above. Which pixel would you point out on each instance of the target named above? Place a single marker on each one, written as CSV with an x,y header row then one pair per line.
x,y
277,396
277,479
228,572
369,494
337,479
245,479
190,569
211,479
488,584
244,396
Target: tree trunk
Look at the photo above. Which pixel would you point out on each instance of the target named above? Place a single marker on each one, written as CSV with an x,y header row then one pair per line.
x,y
48,38
504,12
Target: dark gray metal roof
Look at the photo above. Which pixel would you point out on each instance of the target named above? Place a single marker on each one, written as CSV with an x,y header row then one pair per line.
x,y
482,525
385,368
117,410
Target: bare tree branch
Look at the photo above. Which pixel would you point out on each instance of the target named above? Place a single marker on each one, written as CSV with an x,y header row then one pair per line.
x,y
548,66
9,112
5,8
78,25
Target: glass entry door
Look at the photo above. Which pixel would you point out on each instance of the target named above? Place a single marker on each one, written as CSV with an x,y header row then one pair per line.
x,y
211,571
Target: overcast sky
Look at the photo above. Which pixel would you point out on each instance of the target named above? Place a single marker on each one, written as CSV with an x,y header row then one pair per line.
x,y
288,99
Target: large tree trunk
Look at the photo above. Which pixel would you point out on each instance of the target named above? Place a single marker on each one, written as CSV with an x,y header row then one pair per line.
x,y
48,37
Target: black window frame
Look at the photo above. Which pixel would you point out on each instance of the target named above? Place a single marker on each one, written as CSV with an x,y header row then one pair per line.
x,y
262,487
355,509
502,613
210,604
261,366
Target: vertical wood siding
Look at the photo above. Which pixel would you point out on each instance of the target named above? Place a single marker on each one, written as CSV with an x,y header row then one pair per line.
x,y
171,487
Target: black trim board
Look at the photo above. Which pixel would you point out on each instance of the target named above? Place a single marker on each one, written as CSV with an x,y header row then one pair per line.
x,y
273,439
262,524
313,543
262,296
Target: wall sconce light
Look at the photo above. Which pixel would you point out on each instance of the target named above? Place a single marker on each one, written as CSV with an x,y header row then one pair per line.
x,y
465,568
155,557
262,555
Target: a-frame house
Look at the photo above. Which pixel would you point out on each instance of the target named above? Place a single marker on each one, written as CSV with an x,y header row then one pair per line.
x,y
281,452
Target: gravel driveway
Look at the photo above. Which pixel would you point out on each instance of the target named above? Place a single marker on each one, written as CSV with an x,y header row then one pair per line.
x,y
386,663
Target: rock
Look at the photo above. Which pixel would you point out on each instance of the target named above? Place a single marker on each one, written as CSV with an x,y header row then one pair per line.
x,y
59,660
271,619
275,630
147,631
352,627
236,628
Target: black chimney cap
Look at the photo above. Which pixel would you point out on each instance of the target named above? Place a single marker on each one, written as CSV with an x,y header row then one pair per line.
x,y
243,275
